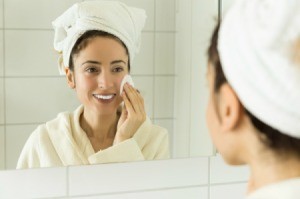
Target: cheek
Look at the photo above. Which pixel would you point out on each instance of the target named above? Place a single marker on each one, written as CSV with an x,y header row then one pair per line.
x,y
209,116
118,82
212,120
85,83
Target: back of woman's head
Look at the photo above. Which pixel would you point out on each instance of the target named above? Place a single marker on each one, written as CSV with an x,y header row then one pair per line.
x,y
280,142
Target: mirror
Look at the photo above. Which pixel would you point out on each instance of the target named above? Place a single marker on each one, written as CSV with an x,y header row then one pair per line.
x,y
169,71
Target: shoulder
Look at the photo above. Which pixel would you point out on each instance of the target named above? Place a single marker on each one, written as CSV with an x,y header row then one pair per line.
x,y
288,189
64,119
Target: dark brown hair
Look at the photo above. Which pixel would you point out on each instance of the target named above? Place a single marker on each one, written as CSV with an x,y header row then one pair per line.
x,y
270,136
84,40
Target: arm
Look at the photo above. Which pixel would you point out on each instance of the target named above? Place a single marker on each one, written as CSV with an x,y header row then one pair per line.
x,y
125,151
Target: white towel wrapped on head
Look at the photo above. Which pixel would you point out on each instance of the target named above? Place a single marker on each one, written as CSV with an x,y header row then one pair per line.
x,y
113,17
258,50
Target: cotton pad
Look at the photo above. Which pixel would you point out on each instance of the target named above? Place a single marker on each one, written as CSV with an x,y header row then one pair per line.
x,y
127,78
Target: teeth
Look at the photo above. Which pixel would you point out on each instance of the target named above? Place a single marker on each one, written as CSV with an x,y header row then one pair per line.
x,y
105,97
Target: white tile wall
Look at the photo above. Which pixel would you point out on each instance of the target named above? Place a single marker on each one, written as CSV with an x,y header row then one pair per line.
x,y
16,137
143,63
2,148
201,33
182,80
232,191
43,98
220,172
164,97
145,85
30,53
137,176
164,53
1,13
1,53
206,12
33,183
169,125
165,14
33,14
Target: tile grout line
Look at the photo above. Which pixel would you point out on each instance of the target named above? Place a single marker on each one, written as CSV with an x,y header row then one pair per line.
x,y
4,86
190,79
154,62
208,193
174,79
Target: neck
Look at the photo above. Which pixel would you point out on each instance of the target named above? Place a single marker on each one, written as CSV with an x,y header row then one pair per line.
x,y
269,169
100,127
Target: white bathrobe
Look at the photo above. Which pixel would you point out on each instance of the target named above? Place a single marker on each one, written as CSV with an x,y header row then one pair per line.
x,y
62,142
288,189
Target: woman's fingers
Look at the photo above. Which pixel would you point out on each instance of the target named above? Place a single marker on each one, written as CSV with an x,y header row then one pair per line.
x,y
128,104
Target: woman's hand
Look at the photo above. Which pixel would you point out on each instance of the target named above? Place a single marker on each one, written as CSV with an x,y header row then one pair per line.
x,y
133,114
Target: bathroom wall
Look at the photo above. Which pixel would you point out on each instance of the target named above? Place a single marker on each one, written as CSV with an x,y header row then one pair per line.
x,y
31,90
194,178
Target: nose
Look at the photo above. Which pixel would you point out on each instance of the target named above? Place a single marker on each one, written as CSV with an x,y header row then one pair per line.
x,y
105,80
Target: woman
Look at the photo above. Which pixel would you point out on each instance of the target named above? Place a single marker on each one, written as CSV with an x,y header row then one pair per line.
x,y
254,108
97,41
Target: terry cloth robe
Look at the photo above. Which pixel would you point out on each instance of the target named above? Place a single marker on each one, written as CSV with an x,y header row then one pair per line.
x,y
288,189
62,142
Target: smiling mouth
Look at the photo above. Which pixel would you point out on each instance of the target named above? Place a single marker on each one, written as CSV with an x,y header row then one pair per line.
x,y
104,97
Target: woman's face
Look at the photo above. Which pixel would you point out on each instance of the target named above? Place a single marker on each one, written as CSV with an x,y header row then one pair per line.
x,y
98,71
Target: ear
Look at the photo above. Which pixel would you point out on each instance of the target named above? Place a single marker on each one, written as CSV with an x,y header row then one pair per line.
x,y
230,108
70,78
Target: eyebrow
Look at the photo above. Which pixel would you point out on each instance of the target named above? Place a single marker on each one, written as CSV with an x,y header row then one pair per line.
x,y
91,62
99,63
118,61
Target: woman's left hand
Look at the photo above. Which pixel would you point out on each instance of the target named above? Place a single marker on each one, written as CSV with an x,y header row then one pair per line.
x,y
133,114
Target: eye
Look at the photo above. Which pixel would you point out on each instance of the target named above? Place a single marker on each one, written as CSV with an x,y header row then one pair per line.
x,y
118,69
91,70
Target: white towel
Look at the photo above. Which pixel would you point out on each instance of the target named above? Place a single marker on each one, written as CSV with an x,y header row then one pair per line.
x,y
257,50
113,17
126,79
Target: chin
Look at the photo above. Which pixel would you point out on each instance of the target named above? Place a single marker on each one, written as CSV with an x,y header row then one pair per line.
x,y
233,159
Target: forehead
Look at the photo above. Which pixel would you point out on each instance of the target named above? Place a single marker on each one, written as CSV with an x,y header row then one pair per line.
x,y
103,47
105,43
